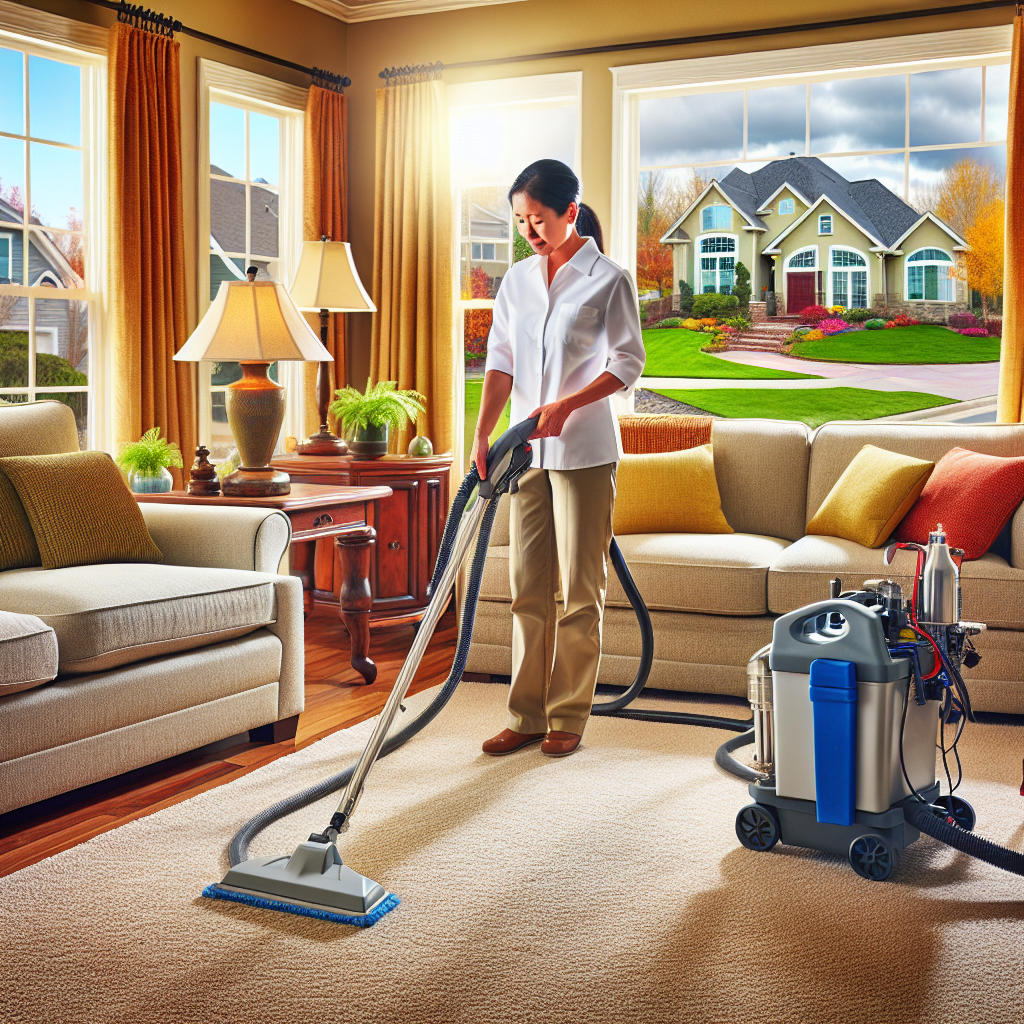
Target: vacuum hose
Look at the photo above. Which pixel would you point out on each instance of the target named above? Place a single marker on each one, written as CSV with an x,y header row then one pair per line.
x,y
922,817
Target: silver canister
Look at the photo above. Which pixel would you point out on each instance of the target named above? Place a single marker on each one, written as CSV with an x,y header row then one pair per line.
x,y
940,583
759,693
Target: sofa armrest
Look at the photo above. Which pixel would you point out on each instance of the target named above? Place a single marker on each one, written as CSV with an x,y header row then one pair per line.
x,y
1017,539
219,537
290,629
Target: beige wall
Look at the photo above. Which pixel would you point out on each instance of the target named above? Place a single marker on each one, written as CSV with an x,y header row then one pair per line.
x,y
278,27
928,234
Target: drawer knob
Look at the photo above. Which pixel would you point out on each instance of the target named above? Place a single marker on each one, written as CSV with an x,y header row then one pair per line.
x,y
323,520
394,545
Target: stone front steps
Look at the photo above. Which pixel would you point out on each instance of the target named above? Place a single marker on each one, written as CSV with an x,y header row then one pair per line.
x,y
766,336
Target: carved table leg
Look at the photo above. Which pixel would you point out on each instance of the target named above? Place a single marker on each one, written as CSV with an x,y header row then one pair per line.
x,y
354,547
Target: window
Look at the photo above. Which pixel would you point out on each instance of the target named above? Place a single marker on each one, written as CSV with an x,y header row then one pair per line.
x,y
806,258
717,273
825,224
929,276
849,284
51,149
716,218
497,129
251,214
785,207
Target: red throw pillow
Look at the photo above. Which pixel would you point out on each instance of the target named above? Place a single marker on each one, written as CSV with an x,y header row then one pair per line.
x,y
972,495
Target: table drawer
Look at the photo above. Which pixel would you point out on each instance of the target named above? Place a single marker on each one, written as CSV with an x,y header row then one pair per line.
x,y
323,522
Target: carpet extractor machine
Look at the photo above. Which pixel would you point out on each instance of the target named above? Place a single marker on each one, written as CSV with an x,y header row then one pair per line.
x,y
908,671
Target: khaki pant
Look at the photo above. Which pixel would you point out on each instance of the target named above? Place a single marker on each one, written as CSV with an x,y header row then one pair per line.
x,y
561,527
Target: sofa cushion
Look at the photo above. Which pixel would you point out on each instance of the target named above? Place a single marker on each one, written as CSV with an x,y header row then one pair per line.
x,y
18,548
993,591
80,509
28,653
115,614
720,574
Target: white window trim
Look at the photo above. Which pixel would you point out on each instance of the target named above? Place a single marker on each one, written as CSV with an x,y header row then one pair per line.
x,y
803,249
792,207
831,224
9,236
698,255
927,263
715,206
857,59
554,89
866,268
222,83
50,35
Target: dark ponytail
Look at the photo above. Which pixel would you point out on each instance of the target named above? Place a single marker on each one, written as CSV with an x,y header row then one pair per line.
x,y
550,183
588,226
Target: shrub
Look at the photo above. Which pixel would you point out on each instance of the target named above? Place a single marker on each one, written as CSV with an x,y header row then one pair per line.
x,y
994,327
813,336
714,346
902,321
741,289
685,296
711,303
691,324
833,325
708,321
858,316
960,321
875,325
973,332
671,321
800,332
813,314
741,323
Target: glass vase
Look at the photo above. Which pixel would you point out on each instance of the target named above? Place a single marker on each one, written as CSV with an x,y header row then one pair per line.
x,y
150,481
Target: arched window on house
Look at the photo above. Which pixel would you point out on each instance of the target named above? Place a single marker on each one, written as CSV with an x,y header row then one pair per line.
x,y
849,278
928,276
807,258
717,263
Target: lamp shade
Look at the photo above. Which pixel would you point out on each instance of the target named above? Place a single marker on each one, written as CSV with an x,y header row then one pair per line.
x,y
327,279
253,321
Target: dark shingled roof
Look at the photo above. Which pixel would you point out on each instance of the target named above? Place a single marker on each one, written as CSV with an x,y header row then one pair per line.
x,y
869,204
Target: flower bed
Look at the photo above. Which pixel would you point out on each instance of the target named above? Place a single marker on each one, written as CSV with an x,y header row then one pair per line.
x,y
973,332
833,325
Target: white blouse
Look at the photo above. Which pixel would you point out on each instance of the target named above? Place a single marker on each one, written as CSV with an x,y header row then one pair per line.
x,y
555,341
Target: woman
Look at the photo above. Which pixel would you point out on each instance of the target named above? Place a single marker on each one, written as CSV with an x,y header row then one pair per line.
x,y
565,337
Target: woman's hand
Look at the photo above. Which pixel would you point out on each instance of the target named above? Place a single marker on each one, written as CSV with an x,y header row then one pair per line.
x,y
479,457
552,417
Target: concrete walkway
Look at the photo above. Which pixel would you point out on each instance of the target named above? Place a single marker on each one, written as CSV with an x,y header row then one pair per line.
x,y
962,381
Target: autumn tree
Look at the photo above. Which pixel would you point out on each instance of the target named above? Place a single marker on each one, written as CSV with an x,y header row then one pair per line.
x,y
982,264
70,245
964,190
660,202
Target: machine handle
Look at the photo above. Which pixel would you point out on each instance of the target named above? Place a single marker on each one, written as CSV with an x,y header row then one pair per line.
x,y
517,435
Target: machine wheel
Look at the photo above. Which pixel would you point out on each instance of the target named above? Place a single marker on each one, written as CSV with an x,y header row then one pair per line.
x,y
959,810
757,828
873,858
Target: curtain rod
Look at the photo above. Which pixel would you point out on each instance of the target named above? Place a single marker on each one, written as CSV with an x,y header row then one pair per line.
x,y
144,18
717,37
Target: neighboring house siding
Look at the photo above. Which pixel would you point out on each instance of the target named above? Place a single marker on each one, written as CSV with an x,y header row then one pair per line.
x,y
777,224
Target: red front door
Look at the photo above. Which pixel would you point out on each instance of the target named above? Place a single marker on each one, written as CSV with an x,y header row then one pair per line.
x,y
799,291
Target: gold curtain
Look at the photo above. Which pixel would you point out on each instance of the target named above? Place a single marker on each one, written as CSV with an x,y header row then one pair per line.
x,y
325,212
1011,364
147,242
412,273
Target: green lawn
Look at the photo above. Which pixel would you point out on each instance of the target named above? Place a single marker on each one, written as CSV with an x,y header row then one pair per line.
x,y
813,406
923,343
474,388
675,352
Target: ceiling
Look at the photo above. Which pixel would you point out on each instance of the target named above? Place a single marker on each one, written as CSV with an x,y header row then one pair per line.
x,y
373,10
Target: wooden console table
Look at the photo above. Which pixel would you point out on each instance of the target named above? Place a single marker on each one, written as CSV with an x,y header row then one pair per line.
x,y
409,526
340,516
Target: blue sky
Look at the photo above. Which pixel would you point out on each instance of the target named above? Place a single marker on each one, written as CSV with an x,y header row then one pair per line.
x,y
227,143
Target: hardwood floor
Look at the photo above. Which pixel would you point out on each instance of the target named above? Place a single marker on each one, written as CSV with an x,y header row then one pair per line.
x,y
333,701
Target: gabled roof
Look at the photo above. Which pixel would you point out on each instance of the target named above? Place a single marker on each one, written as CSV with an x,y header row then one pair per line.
x,y
742,207
960,243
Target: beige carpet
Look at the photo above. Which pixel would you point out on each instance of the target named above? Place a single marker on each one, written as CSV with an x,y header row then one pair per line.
x,y
606,887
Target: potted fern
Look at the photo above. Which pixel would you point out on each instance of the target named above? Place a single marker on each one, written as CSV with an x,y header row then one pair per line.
x,y
366,417
146,462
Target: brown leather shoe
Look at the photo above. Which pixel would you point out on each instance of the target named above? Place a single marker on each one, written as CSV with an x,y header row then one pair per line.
x,y
560,744
507,742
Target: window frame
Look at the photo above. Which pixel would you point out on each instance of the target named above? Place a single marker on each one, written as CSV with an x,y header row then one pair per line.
x,y
52,37
822,217
849,271
221,83
700,255
790,207
714,208
908,266
8,237
798,252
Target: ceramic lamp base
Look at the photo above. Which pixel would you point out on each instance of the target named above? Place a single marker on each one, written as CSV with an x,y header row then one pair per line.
x,y
264,482
324,442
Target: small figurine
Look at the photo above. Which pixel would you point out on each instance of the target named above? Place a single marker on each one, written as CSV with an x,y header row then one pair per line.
x,y
202,478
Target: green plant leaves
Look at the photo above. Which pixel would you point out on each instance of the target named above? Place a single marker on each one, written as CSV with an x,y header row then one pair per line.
x,y
150,453
382,404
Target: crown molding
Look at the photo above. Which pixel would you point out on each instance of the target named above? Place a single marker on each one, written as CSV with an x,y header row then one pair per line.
x,y
377,10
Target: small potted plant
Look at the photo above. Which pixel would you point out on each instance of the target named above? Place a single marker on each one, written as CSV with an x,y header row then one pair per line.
x,y
366,418
147,460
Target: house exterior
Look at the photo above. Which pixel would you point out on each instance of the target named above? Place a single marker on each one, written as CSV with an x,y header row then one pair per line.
x,y
227,230
485,236
813,237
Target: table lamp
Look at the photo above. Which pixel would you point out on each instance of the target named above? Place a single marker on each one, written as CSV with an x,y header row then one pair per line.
x,y
254,323
327,281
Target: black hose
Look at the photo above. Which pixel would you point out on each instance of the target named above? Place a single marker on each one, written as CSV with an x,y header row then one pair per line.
x,y
728,763
238,849
451,527
923,818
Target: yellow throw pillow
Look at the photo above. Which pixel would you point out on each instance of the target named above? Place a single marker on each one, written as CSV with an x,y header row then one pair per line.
x,y
80,509
874,493
668,492
18,548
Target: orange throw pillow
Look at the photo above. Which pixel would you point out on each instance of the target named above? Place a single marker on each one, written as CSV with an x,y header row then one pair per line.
x,y
972,495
